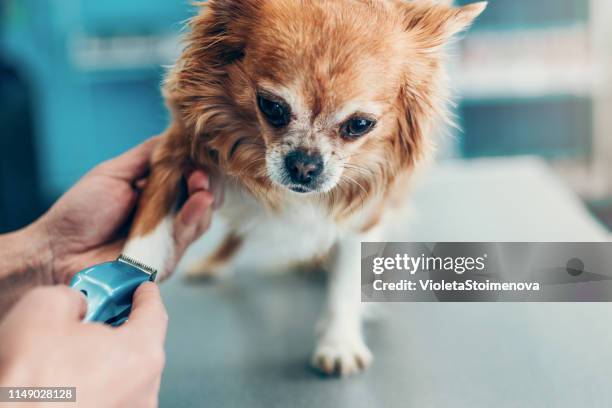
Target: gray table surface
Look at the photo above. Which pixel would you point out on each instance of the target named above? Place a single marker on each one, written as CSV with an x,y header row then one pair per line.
x,y
245,341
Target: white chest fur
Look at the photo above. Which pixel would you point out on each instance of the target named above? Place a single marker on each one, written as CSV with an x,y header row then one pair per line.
x,y
300,231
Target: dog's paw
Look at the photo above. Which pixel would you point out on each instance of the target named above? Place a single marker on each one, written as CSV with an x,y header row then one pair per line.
x,y
342,356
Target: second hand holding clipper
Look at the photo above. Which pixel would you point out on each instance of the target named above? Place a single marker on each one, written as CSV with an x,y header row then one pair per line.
x,y
109,288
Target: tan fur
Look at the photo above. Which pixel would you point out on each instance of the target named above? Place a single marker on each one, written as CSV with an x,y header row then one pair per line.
x,y
227,249
168,165
325,63
335,51
216,263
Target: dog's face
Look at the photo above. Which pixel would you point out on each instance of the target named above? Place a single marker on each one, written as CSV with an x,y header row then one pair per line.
x,y
313,96
323,82
311,132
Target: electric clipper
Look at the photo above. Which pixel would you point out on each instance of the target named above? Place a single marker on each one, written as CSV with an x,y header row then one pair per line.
x,y
109,288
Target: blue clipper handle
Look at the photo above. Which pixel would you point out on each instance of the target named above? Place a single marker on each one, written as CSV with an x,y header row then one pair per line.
x,y
109,288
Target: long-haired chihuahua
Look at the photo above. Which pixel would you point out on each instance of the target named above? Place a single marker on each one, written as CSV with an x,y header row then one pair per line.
x,y
316,112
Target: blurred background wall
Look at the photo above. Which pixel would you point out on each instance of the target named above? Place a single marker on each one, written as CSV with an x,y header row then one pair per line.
x,y
79,83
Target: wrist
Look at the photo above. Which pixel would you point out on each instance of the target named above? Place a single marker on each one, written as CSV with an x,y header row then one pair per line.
x,y
24,252
25,262
29,251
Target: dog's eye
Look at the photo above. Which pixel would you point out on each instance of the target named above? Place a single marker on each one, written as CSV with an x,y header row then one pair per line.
x,y
356,127
276,113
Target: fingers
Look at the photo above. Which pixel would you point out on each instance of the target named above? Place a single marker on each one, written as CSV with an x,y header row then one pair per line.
x,y
132,164
198,181
213,182
192,221
195,210
195,215
148,318
54,303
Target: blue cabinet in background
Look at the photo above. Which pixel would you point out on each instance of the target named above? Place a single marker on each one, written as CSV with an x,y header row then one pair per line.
x,y
95,68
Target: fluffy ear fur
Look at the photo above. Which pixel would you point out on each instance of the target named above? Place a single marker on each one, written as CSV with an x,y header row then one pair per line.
x,y
217,39
434,23
196,89
220,28
422,99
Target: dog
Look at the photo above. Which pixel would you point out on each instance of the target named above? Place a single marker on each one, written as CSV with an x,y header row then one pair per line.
x,y
317,113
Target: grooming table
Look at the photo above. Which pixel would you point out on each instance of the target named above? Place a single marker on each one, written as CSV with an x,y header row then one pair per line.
x,y
245,341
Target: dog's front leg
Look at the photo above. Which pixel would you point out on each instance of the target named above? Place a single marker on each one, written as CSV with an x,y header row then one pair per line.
x,y
340,346
152,238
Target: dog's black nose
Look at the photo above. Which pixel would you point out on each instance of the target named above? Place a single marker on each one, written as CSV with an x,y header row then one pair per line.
x,y
303,168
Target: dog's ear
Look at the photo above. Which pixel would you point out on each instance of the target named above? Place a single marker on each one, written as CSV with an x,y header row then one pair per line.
x,y
414,118
222,27
216,39
422,99
433,23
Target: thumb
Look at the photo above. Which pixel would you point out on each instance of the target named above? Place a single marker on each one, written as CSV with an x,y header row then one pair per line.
x,y
54,303
192,220
148,319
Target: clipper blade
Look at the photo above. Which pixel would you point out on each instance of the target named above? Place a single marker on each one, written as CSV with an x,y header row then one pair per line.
x,y
137,264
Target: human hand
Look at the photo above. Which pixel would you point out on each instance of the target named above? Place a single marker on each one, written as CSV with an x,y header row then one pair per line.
x,y
45,344
89,223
